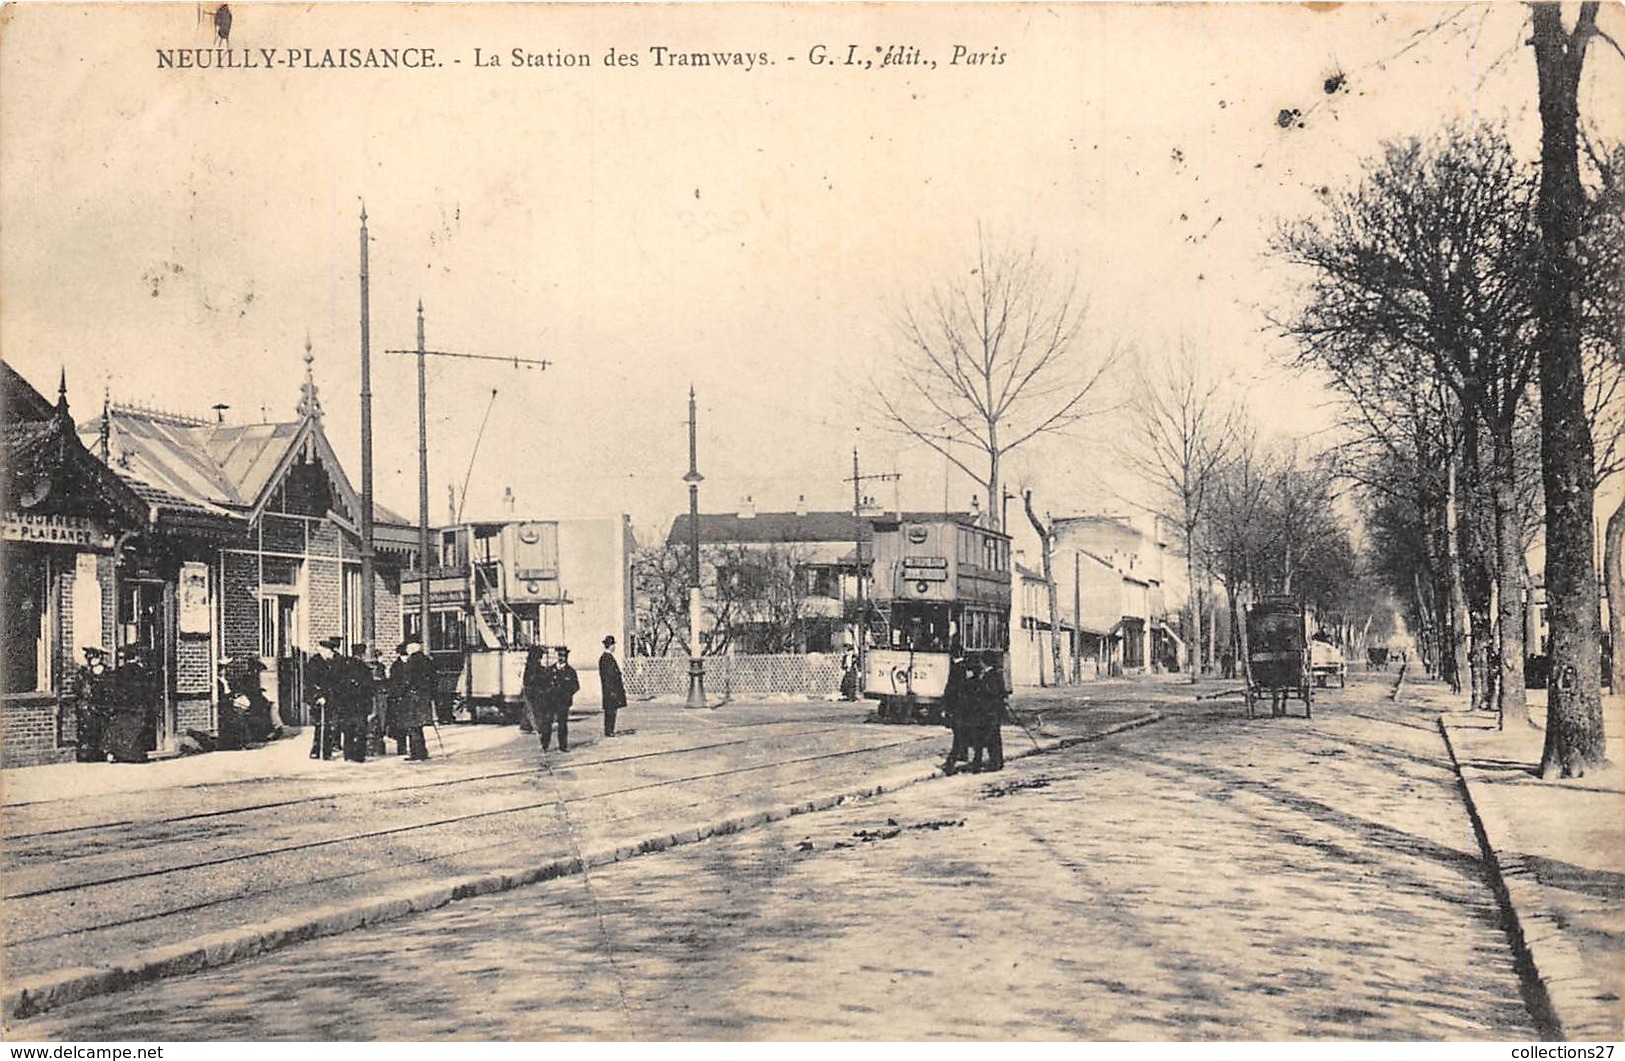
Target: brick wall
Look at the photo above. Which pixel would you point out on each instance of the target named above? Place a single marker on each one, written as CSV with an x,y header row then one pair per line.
x,y
194,713
386,608
194,669
241,606
282,534
323,588
28,732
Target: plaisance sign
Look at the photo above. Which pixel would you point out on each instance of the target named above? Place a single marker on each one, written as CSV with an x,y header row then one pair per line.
x,y
54,530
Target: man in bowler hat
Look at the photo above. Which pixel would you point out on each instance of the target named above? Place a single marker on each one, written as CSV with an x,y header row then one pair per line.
x,y
611,684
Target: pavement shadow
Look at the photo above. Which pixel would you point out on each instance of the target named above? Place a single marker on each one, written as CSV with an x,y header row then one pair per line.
x,y
1377,834
1604,884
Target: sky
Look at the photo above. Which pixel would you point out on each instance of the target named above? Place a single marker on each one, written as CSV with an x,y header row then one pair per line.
x,y
175,235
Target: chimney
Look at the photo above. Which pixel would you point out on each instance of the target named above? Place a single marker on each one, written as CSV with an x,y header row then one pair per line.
x,y
747,508
508,500
801,504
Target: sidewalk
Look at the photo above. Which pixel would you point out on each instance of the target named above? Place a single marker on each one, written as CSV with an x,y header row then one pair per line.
x,y
1558,851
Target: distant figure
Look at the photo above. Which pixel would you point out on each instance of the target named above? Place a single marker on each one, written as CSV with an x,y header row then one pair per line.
x,y
955,705
91,708
611,684
321,673
222,24
418,689
562,686
395,703
533,686
355,704
849,674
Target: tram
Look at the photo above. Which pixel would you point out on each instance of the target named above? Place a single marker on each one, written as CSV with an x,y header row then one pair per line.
x,y
935,582
494,592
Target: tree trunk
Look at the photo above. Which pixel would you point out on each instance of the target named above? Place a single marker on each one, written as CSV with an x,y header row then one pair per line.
x,y
1574,733
1196,602
1458,595
1512,701
1614,582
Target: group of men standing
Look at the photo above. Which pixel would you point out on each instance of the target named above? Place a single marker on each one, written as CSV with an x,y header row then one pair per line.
x,y
550,687
356,704
974,705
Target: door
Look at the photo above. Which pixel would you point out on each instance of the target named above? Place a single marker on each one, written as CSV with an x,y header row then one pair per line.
x,y
279,652
148,635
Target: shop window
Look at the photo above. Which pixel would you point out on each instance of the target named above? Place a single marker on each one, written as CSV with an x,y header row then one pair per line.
x,y
28,627
350,605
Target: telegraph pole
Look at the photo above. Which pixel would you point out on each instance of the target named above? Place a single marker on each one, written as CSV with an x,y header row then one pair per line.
x,y
422,355
857,482
696,662
369,629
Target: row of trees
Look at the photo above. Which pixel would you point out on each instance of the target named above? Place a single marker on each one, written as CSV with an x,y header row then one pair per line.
x,y
1424,308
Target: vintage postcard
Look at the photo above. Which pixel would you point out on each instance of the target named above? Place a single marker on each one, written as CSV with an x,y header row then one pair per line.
x,y
811,521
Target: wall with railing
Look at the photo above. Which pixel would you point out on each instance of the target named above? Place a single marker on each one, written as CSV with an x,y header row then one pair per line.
x,y
736,677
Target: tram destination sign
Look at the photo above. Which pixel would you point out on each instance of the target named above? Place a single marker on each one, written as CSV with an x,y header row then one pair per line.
x,y
54,530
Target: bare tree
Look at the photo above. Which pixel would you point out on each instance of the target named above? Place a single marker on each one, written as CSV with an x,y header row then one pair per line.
x,y
1046,542
1184,435
1574,731
660,596
1431,260
990,361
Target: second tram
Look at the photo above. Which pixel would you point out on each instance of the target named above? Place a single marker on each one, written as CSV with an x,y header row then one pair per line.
x,y
936,583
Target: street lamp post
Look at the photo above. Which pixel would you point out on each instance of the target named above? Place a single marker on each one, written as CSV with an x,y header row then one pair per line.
x,y
696,663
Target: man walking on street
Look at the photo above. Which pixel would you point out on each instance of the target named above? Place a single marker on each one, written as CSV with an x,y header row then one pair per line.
x,y
611,685
418,698
561,691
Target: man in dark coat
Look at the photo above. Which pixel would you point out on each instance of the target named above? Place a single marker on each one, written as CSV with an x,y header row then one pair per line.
x,y
955,709
90,706
561,688
355,703
611,685
417,699
534,686
395,704
321,670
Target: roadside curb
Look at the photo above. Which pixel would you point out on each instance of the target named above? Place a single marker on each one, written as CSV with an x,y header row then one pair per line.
x,y
48,991
1566,1003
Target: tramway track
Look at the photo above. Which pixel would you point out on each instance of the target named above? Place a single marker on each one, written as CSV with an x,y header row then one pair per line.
x,y
436,823
346,793
448,857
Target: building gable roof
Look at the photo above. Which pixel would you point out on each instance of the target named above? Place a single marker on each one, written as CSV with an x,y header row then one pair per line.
x,y
195,466
47,468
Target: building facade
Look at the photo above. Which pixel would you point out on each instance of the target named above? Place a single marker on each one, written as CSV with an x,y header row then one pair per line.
x,y
252,554
64,521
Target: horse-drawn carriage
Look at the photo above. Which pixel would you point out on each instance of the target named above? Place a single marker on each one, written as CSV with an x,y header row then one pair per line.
x,y
1278,664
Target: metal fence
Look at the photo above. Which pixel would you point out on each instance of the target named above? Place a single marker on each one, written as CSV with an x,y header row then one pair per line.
x,y
736,677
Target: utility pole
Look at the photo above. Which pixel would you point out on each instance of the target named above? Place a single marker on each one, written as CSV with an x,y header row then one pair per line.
x,y
422,355
369,622
857,480
696,663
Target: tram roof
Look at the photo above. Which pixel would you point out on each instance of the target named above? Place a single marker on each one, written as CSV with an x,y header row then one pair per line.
x,y
767,528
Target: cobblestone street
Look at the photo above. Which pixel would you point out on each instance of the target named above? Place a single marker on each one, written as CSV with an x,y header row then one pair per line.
x,y
1204,878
